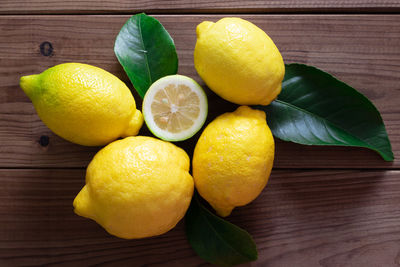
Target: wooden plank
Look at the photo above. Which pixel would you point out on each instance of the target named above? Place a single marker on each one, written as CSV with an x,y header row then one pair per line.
x,y
182,6
303,218
362,50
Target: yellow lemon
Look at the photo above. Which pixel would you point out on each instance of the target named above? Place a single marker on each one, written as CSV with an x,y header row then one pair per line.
x,y
233,159
83,104
238,61
137,187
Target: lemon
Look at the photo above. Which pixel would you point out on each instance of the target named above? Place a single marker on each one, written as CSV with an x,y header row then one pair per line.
x,y
83,104
175,108
136,187
233,159
238,61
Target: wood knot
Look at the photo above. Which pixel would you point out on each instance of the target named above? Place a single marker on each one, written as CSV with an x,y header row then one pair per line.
x,y
44,140
46,49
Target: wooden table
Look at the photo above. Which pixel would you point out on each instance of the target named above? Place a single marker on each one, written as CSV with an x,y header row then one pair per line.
x,y
323,206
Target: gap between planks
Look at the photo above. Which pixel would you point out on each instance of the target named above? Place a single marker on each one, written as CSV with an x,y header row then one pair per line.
x,y
196,7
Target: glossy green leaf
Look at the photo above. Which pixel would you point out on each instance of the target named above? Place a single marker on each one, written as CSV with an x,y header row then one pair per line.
x,y
216,240
146,51
314,108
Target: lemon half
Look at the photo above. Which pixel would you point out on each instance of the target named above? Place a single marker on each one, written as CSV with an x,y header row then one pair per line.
x,y
175,107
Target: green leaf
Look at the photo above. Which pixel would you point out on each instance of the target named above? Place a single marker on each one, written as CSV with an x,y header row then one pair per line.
x,y
216,240
314,108
146,51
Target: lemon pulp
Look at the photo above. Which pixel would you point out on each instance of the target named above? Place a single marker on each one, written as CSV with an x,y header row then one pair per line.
x,y
175,108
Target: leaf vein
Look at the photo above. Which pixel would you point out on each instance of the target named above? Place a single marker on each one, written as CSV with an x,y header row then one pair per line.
x,y
324,120
144,48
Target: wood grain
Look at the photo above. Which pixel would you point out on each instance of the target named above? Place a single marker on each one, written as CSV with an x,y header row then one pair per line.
x,y
182,6
311,218
362,50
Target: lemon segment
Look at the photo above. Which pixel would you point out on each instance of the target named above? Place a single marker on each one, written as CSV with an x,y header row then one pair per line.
x,y
175,108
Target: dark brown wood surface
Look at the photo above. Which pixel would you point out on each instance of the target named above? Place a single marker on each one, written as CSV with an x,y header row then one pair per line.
x,y
303,218
323,206
362,50
192,6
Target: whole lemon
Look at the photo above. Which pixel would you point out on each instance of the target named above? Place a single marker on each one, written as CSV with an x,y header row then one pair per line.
x,y
238,61
136,187
83,104
233,159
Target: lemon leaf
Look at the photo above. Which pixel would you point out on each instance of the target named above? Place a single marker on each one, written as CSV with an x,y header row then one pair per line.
x,y
216,240
146,51
315,108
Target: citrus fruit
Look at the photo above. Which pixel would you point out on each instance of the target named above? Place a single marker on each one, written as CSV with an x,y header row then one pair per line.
x,y
233,159
238,61
83,104
175,108
136,187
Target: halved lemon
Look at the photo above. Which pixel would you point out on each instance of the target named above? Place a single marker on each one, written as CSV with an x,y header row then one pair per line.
x,y
175,107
